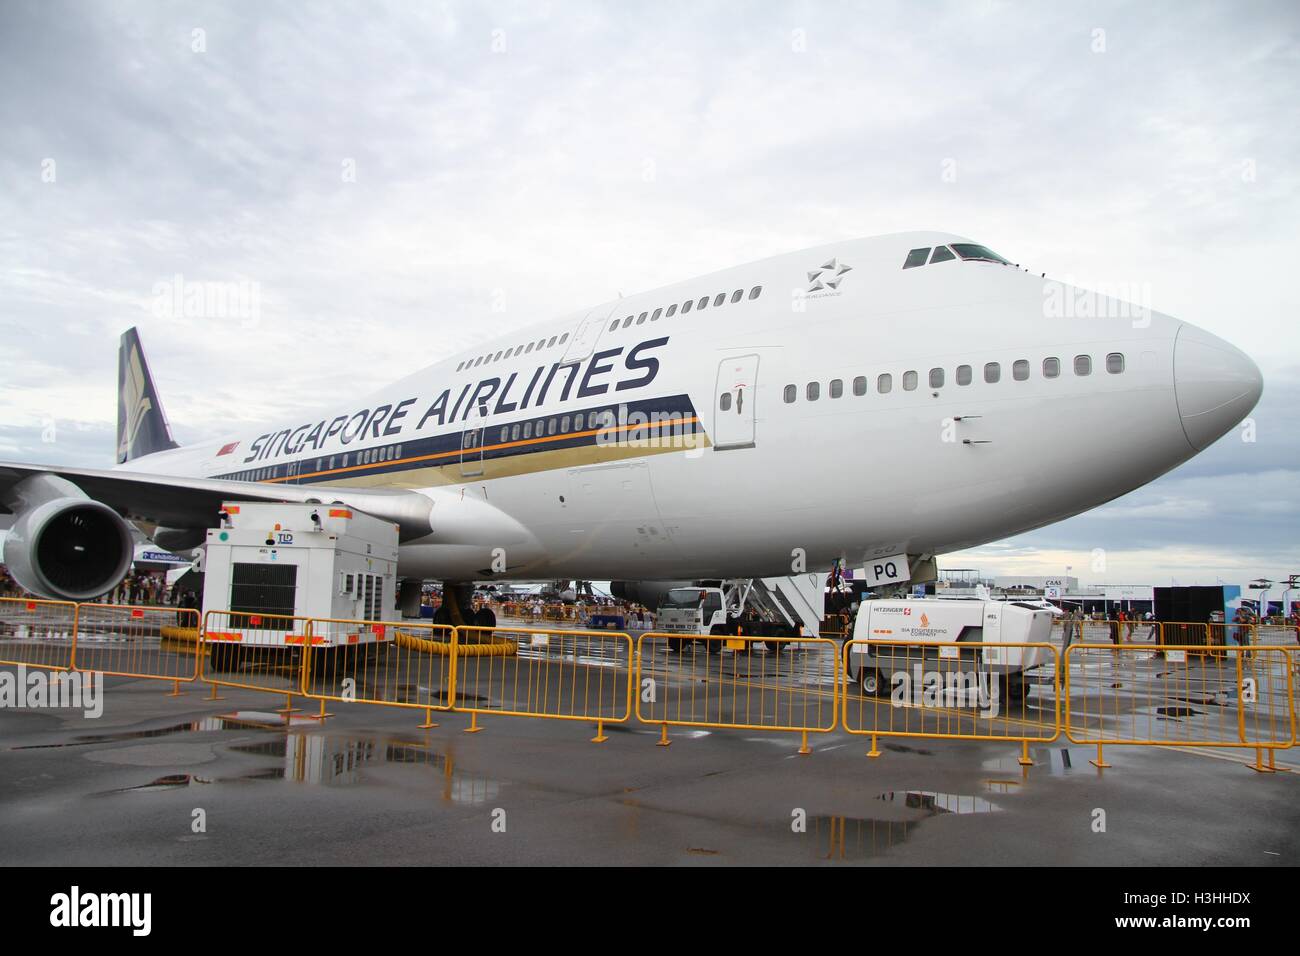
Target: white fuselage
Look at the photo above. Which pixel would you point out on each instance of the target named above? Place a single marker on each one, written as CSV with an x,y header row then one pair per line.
x,y
745,482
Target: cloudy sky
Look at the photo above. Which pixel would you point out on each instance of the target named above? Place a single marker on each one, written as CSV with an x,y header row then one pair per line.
x,y
395,182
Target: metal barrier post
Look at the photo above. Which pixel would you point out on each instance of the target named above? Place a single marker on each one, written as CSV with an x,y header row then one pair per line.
x,y
724,681
952,690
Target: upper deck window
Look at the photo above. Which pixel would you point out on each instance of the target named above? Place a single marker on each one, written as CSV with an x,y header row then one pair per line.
x,y
916,257
969,250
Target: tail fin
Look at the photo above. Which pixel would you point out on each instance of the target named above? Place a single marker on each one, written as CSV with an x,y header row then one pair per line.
x,y
142,427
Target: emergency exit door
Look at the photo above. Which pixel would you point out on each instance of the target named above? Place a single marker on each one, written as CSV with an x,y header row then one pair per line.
x,y
733,403
472,441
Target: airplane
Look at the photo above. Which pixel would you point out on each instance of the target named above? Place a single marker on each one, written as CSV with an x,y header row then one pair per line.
x,y
914,394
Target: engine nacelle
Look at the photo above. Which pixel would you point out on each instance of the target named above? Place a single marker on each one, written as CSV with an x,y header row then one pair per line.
x,y
649,594
71,548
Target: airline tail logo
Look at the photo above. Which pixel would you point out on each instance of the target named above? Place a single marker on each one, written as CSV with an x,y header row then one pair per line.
x,y
135,403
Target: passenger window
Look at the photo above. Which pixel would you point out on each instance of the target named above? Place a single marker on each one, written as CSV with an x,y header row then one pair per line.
x,y
460,366
1115,363
550,427
909,381
790,394
497,357
941,254
992,373
528,429
703,303
672,310
1020,369
640,319
578,421
814,391
963,375
722,297
1051,367
397,451
505,433
936,378
564,338
837,388
627,321
552,342
1083,365
884,383
613,325
541,343
860,385
564,424
686,306
916,258
724,403
530,344
514,432
657,313
737,296
755,292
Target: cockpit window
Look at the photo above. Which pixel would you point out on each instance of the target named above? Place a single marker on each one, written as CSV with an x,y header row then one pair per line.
x,y
916,258
969,250
941,254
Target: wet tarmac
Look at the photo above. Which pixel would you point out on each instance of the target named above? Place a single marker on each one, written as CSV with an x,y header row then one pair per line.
x,y
184,781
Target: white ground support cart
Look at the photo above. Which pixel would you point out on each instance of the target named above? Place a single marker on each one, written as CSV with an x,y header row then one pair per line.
x,y
982,624
271,561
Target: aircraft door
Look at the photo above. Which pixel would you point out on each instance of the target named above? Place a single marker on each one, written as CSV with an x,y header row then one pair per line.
x,y
586,335
472,441
733,404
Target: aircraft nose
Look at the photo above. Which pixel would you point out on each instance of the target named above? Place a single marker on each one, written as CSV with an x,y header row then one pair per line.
x,y
1215,384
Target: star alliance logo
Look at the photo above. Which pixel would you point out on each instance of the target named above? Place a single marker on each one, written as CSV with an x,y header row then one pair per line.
x,y
829,276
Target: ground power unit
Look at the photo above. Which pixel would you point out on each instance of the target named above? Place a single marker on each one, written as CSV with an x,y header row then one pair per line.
x,y
270,562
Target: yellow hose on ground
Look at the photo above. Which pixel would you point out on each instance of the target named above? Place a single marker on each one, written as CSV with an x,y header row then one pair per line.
x,y
493,647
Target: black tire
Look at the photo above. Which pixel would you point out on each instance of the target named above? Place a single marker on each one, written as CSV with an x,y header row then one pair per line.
x,y
1012,687
872,683
677,643
221,658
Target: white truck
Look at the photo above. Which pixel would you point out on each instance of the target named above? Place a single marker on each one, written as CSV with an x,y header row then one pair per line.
x,y
924,624
775,609
272,562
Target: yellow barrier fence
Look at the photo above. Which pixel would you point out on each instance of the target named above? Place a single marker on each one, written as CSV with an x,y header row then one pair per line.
x,y
557,674
124,640
737,683
36,633
398,664
1194,695
952,690
254,651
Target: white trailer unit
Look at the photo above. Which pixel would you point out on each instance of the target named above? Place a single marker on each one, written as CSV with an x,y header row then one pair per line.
x,y
922,624
270,561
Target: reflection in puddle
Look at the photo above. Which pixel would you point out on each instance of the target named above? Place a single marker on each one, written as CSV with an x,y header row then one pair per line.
x,y
851,838
1056,760
936,803
341,761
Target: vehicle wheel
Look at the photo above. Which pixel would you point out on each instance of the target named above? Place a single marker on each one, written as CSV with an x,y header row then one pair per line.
x,y
1012,687
220,658
872,682
677,643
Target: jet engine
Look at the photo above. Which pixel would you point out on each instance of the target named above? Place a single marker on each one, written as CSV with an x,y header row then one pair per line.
x,y
64,544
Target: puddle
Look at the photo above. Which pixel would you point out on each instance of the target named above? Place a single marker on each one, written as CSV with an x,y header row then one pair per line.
x,y
904,749
852,838
242,720
1179,712
1058,761
937,803
170,782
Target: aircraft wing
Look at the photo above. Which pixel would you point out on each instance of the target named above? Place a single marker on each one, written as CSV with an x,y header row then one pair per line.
x,y
181,502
